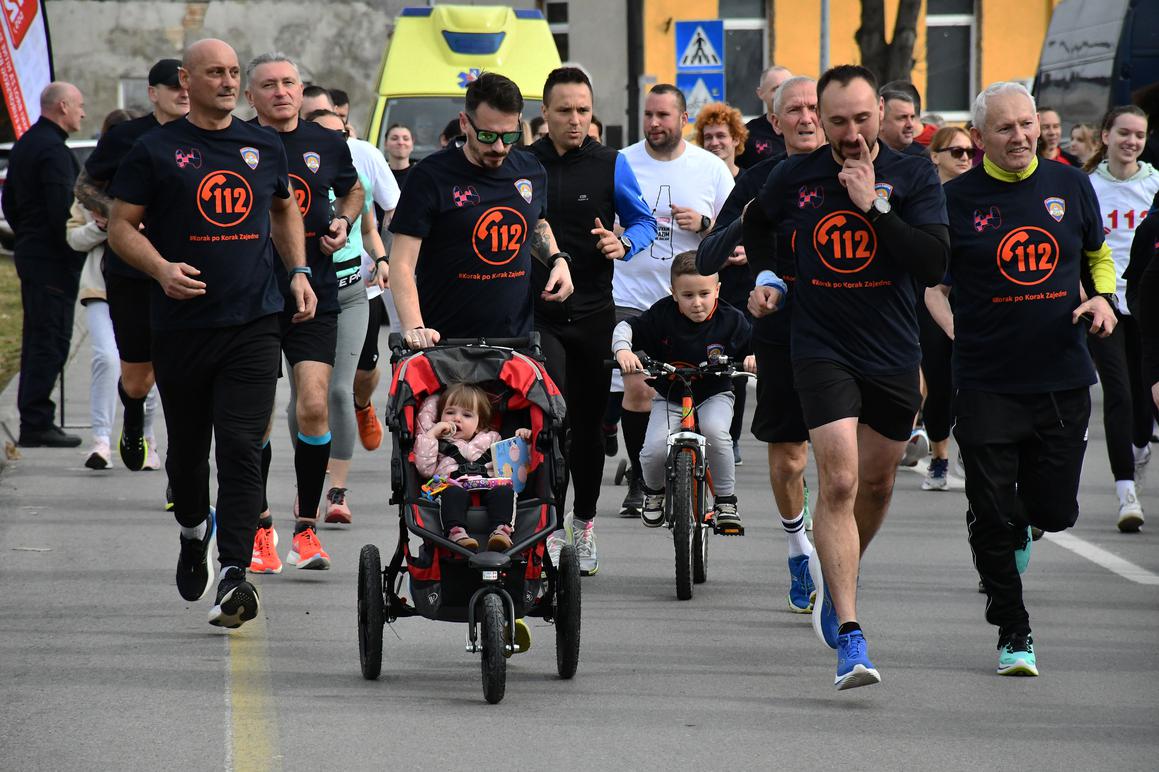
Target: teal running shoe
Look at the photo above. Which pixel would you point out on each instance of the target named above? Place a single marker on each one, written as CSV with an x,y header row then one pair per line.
x,y
1016,656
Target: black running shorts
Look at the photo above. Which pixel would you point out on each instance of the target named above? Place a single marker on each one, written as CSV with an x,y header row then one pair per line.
x,y
777,417
830,391
129,310
312,341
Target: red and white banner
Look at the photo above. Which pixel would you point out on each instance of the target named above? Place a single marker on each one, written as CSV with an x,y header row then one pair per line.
x,y
25,60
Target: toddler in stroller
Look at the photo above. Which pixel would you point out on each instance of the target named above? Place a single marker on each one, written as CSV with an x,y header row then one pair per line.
x,y
452,447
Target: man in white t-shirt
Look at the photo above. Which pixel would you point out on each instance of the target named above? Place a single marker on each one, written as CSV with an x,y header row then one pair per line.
x,y
686,186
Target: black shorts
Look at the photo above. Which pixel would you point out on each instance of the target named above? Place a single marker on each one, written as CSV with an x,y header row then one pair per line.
x,y
368,359
777,417
312,341
129,310
830,391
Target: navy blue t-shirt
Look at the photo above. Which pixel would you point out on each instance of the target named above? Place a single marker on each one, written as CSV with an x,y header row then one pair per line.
x,y
474,268
1016,255
207,197
663,333
319,161
852,302
102,166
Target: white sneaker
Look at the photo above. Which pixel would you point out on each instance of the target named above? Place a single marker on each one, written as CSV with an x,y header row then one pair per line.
x,y
1130,514
585,548
652,515
554,545
100,456
152,457
916,449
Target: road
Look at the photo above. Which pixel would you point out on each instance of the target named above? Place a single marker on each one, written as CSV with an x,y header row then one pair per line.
x,y
104,666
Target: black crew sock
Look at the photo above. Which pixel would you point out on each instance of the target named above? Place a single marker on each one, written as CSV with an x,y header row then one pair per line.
x,y
311,455
267,457
848,627
635,427
134,418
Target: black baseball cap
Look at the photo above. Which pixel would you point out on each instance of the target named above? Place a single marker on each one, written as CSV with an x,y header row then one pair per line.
x,y
164,73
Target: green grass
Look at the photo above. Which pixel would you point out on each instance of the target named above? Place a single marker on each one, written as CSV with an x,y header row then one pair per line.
x,y
11,320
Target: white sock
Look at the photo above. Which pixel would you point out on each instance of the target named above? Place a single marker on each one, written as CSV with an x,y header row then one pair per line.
x,y
196,532
1141,453
1125,489
795,532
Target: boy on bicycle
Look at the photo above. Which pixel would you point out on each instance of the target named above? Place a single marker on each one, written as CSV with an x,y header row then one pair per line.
x,y
691,327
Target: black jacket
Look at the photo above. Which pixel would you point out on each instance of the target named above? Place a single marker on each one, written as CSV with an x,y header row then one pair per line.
x,y
583,184
38,195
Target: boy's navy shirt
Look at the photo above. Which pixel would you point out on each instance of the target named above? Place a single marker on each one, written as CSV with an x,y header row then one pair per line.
x,y
663,333
207,197
1016,258
852,303
474,267
319,161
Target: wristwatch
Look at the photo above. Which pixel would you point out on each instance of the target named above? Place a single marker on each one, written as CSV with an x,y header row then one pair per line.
x,y
349,222
705,223
879,207
564,256
382,259
301,269
626,244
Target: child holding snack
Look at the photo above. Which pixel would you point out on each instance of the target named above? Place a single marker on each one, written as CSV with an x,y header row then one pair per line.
x,y
453,446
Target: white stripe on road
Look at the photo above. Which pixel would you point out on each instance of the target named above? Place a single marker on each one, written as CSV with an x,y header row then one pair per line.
x,y
1102,557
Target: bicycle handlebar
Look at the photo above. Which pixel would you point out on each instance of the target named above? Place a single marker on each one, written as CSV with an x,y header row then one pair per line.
x,y
654,368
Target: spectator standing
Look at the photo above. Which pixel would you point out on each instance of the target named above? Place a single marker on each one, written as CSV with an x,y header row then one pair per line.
x,y
37,199
764,141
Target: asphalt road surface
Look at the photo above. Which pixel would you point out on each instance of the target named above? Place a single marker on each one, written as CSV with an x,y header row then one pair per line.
x,y
103,666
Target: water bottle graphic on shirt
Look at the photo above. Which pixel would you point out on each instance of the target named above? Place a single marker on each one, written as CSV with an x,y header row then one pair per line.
x,y
662,210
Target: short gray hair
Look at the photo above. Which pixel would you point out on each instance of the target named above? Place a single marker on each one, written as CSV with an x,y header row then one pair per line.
x,y
978,114
269,58
778,95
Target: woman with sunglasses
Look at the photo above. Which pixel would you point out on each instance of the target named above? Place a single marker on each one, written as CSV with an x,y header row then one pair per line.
x,y
1125,187
952,153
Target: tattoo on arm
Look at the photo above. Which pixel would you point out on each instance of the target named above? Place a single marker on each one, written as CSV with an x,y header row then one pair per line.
x,y
541,239
91,194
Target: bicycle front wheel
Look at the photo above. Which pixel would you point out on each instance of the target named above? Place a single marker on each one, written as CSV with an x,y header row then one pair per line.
x,y
683,522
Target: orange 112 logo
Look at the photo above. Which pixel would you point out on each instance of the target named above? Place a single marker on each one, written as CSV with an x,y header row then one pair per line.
x,y
224,198
1028,255
301,193
498,235
845,241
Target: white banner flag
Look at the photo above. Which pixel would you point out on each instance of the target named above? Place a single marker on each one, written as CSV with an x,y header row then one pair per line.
x,y
25,61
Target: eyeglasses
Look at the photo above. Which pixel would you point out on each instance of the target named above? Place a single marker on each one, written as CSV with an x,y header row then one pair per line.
x,y
491,137
956,152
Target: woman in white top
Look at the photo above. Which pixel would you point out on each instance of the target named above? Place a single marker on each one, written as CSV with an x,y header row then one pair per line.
x,y
1125,187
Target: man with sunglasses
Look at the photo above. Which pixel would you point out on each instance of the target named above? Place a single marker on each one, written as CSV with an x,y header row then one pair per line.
x,y
468,225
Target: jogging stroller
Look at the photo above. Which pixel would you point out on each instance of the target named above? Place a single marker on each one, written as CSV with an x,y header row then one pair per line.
x,y
487,590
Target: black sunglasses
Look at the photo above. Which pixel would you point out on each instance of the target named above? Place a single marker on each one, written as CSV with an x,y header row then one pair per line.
x,y
491,137
956,152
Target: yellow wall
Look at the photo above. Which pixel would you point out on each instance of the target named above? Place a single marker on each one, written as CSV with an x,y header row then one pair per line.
x,y
1009,44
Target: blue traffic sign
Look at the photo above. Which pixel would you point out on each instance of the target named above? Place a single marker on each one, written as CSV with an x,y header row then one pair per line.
x,y
700,88
700,45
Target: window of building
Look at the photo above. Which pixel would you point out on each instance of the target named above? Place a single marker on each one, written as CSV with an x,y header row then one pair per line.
x,y
557,22
951,58
746,31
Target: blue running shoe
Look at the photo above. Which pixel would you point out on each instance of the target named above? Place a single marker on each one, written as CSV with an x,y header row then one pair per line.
x,y
1022,554
853,666
1016,656
801,590
824,616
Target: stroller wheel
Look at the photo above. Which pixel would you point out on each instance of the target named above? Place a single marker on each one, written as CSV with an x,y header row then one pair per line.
x,y
494,663
370,612
567,613
621,471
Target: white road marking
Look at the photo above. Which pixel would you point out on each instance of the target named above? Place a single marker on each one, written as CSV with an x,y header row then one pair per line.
x,y
1102,557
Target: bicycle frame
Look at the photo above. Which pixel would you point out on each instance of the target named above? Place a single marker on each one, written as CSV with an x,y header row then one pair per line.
x,y
688,439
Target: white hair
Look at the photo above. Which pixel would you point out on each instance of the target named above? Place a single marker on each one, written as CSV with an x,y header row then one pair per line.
x,y
779,94
269,58
981,104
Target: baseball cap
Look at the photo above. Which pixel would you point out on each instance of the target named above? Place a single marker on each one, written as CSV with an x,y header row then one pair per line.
x,y
164,73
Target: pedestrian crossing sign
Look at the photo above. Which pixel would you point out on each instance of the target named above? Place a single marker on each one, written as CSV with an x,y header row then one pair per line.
x,y
700,45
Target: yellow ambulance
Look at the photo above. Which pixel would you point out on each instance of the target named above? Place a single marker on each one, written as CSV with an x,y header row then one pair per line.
x,y
435,52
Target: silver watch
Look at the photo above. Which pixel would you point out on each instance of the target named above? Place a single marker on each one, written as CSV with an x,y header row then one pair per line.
x,y
880,207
